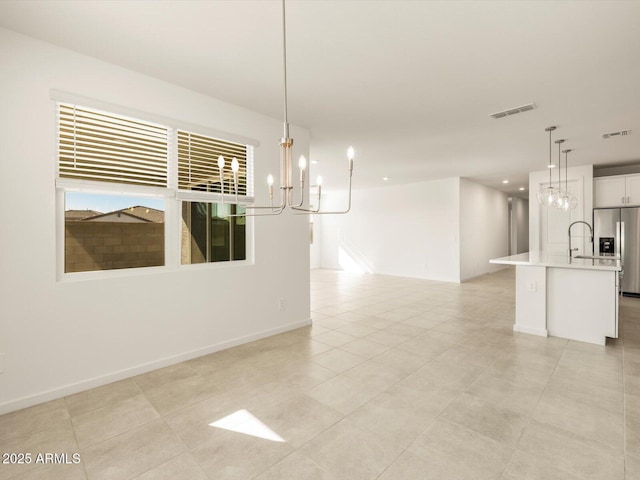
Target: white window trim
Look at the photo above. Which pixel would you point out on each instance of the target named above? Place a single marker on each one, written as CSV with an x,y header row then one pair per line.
x,y
172,196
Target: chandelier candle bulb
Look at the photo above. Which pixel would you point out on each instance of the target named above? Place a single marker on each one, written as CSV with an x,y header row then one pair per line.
x,y
270,183
221,168
235,166
302,164
350,154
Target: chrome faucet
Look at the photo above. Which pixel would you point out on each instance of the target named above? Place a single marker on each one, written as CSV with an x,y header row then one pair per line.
x,y
571,250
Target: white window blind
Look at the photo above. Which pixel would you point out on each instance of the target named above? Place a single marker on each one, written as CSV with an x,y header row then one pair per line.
x,y
99,146
198,164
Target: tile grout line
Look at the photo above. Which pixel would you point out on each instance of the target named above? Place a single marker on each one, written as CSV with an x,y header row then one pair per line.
x,y
530,417
75,436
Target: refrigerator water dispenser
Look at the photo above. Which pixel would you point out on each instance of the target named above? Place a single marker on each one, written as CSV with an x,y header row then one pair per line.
x,y
607,245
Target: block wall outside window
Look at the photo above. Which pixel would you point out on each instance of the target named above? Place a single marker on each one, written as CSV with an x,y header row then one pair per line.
x,y
128,237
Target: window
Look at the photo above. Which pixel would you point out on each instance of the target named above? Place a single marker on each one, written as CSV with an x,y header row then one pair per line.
x,y
130,234
102,147
118,175
198,164
210,234
210,231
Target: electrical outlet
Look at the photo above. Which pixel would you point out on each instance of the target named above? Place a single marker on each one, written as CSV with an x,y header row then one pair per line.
x,y
282,304
533,287
2,355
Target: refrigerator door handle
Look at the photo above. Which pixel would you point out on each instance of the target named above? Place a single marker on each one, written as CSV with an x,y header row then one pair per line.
x,y
621,243
619,252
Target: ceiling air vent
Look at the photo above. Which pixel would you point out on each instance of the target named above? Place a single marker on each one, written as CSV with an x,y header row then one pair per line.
x,y
621,133
513,111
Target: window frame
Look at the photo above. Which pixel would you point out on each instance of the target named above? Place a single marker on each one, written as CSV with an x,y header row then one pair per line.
x,y
172,196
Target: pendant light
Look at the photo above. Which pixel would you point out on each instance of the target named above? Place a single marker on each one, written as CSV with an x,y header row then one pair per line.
x,y
558,200
570,202
547,195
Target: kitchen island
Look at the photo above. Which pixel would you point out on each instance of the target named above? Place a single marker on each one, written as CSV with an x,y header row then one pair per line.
x,y
569,298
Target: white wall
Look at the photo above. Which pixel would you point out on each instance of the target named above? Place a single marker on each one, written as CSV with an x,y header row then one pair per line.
x,y
62,337
548,226
408,230
444,230
484,228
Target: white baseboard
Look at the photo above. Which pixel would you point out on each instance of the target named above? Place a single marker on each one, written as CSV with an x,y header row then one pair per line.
x,y
531,331
83,385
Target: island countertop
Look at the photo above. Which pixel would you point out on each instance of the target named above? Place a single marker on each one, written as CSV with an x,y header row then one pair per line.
x,y
558,261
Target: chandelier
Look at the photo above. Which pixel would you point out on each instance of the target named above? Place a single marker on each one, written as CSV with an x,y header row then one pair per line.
x,y
286,200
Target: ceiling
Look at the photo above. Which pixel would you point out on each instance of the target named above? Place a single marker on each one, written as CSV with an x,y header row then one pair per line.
x,y
410,84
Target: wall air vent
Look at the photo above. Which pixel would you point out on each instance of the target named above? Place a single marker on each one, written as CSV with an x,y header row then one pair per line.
x,y
621,133
513,111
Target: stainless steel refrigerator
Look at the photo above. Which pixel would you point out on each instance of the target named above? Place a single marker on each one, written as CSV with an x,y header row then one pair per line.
x,y
616,232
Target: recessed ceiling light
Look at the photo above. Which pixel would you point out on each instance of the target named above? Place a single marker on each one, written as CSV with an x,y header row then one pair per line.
x,y
521,189
505,181
314,162
551,165
385,178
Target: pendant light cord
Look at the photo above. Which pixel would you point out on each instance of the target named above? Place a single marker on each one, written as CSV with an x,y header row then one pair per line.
x,y
559,142
550,181
566,169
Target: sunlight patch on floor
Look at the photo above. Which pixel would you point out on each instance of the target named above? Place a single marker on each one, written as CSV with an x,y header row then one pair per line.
x,y
245,422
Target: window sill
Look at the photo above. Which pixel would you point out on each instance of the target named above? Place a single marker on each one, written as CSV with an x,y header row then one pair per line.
x,y
143,271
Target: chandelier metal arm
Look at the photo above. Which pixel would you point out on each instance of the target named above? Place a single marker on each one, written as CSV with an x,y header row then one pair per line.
x,y
341,211
299,210
317,210
275,212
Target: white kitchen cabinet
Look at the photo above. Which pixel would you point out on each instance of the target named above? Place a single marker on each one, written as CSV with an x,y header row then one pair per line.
x,y
632,184
617,191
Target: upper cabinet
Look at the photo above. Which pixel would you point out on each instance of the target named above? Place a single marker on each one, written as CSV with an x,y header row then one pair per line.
x,y
617,191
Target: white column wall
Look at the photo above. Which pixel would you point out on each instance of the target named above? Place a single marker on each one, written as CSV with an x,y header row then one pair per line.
x,y
62,337
484,228
548,226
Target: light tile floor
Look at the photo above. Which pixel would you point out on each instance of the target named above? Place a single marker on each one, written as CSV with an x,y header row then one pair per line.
x,y
396,379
